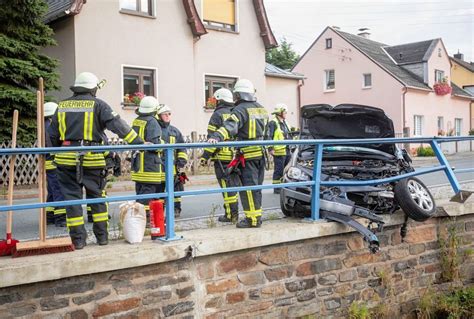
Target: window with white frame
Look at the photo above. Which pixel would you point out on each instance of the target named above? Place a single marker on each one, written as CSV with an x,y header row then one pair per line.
x,y
140,7
418,125
137,82
367,78
213,83
219,14
329,80
439,75
457,126
441,125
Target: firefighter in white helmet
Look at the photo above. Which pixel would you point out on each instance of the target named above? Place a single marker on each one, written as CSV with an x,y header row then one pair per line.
x,y
147,170
172,135
277,130
81,121
223,156
55,216
246,123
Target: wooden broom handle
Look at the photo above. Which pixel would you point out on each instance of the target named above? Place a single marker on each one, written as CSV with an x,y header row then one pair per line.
x,y
11,173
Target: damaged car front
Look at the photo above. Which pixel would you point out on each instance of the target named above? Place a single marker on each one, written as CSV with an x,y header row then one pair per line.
x,y
364,162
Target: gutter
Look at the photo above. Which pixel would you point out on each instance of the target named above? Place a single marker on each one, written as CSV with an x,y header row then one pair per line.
x,y
292,77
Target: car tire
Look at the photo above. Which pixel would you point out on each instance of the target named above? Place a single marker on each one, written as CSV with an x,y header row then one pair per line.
x,y
415,199
287,212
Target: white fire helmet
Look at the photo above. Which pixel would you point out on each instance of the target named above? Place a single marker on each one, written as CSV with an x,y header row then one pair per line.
x,y
148,104
224,95
49,108
244,86
280,108
163,108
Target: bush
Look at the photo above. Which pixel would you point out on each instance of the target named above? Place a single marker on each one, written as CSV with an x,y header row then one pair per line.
x,y
471,131
424,151
456,304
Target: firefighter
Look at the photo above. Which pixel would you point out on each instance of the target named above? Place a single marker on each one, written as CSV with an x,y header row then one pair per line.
x,y
80,120
277,130
247,123
56,216
223,156
171,135
146,165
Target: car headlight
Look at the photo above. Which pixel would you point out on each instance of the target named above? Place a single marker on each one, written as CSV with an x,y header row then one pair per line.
x,y
298,174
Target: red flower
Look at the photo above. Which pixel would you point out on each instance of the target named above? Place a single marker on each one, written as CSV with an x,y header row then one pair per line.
x,y
442,88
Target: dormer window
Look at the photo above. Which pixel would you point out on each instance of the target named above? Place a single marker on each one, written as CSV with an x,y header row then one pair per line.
x,y
328,43
219,14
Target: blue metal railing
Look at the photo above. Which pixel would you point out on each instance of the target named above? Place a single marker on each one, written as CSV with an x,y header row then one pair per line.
x,y
315,183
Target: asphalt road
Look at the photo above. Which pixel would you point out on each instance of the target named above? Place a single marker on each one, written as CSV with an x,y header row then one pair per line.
x,y
25,224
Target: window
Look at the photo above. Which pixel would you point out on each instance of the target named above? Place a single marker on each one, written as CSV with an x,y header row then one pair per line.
x,y
219,14
142,7
418,125
439,75
458,127
329,80
367,80
214,83
328,43
441,125
138,81
469,88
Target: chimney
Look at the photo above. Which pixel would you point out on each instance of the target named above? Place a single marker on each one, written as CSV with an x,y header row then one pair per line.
x,y
335,27
459,56
364,33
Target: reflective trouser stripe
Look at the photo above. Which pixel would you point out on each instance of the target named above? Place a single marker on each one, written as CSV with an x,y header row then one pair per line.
x,y
60,211
74,221
276,181
49,209
100,217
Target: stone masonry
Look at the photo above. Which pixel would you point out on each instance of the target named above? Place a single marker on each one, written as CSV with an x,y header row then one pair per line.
x,y
317,278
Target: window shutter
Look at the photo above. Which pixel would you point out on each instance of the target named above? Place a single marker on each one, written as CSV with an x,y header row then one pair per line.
x,y
222,11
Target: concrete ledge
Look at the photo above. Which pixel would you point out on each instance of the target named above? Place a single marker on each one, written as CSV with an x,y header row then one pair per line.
x,y
118,255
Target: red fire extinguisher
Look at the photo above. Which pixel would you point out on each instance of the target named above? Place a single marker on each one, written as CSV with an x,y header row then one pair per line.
x,y
157,219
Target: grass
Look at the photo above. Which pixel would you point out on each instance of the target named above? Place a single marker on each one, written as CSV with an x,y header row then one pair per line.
x,y
211,219
450,255
455,304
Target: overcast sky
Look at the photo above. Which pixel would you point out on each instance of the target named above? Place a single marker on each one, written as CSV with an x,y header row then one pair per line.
x,y
390,22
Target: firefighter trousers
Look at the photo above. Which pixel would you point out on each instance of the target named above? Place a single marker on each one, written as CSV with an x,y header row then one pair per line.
x,y
146,188
178,187
250,175
279,162
94,183
231,203
54,195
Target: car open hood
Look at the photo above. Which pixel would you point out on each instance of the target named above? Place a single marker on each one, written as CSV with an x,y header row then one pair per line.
x,y
347,121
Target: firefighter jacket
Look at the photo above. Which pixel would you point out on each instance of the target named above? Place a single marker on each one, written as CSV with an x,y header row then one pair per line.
x,y
171,135
278,130
49,162
146,165
222,113
247,122
81,120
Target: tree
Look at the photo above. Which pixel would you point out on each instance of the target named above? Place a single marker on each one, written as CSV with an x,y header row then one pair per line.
x,y
283,56
22,35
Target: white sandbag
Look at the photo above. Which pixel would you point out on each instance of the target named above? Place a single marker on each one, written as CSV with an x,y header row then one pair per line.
x,y
133,219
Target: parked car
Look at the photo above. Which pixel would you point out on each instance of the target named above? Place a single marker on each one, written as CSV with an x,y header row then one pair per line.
x,y
353,162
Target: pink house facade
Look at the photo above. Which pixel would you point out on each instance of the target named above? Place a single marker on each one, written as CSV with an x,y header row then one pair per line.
x,y
345,68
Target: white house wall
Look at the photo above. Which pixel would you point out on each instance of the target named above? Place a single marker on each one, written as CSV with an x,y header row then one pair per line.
x,y
281,90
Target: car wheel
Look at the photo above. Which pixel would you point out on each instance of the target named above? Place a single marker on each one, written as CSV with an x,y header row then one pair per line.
x,y
415,199
287,212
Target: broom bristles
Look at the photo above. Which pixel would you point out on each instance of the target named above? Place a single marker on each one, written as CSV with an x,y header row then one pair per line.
x,y
42,251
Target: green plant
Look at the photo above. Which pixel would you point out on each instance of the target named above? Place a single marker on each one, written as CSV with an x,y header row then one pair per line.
x,y
358,310
450,257
386,281
471,132
427,305
211,219
455,304
424,151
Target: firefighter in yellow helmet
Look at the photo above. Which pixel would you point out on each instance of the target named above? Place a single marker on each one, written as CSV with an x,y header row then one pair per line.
x,y
81,121
277,130
246,123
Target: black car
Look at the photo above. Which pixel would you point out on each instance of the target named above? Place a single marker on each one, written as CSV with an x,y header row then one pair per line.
x,y
353,162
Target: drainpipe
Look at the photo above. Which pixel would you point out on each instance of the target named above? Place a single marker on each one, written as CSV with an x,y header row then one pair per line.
x,y
298,111
405,132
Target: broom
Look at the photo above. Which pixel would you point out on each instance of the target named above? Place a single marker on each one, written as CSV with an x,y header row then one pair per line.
x,y
42,246
7,246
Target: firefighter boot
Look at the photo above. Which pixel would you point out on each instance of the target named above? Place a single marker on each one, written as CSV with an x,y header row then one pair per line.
x,y
247,223
177,212
233,218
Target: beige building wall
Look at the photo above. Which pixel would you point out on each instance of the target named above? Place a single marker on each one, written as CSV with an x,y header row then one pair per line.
x,y
64,52
349,65
281,90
